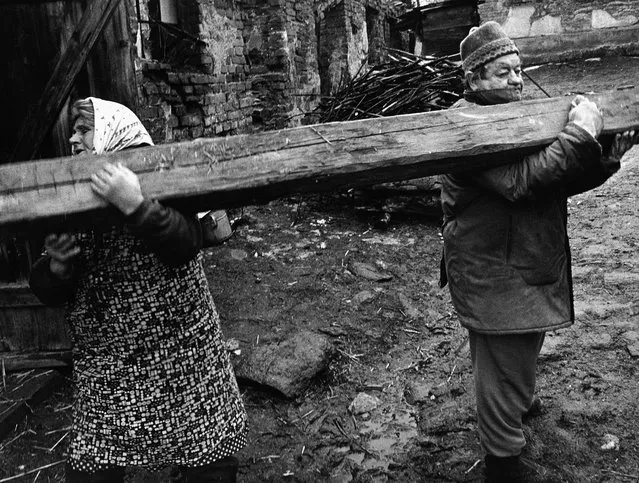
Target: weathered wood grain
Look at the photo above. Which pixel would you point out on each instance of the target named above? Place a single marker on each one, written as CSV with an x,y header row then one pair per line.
x,y
41,359
247,169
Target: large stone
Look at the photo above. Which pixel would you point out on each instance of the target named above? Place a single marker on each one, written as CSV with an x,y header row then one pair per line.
x,y
363,403
288,365
368,271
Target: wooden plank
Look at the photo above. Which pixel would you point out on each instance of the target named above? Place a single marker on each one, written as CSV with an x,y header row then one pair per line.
x,y
17,295
26,325
33,328
24,361
247,169
41,119
111,66
16,402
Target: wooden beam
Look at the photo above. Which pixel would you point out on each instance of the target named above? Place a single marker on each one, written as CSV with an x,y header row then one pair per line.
x,y
248,169
40,120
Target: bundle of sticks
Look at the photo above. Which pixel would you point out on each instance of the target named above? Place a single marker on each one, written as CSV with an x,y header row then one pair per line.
x,y
405,84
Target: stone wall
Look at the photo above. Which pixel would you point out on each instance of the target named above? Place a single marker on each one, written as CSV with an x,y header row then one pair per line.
x,y
565,29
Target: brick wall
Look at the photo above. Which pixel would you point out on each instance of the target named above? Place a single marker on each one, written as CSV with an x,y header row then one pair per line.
x,y
564,29
248,65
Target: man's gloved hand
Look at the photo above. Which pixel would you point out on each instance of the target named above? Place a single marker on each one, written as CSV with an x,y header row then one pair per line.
x,y
586,114
621,143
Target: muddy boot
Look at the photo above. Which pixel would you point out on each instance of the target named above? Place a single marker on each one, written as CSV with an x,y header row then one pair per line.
x,y
222,471
502,470
536,409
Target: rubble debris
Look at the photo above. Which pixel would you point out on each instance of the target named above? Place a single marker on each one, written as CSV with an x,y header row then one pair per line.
x,y
418,392
363,403
611,443
369,272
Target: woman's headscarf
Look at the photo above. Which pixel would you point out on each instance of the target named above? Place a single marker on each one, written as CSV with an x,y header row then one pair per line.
x,y
116,127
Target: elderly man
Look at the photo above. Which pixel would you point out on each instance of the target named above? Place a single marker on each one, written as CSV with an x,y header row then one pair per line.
x,y
506,252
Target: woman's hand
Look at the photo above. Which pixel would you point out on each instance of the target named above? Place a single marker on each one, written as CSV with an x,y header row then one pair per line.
x,y
118,185
62,250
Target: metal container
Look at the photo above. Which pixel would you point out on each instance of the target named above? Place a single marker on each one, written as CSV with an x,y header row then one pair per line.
x,y
216,228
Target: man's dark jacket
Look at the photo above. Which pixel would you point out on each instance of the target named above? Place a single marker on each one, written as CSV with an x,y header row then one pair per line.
x,y
506,251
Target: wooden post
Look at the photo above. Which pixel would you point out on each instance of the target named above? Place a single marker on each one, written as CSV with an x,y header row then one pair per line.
x,y
41,119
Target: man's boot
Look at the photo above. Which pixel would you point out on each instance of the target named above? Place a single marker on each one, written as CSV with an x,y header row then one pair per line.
x,y
502,470
222,471
536,409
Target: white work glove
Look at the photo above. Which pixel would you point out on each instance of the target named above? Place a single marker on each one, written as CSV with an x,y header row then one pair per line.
x,y
118,185
62,250
586,114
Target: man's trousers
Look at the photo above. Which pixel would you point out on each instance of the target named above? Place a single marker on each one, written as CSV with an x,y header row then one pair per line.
x,y
504,368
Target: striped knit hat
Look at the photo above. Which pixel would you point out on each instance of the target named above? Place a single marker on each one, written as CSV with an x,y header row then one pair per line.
x,y
485,44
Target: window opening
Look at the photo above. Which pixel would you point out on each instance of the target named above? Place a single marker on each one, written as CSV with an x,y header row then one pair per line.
x,y
166,40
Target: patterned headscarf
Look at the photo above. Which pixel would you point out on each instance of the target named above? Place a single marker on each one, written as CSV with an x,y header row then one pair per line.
x,y
116,127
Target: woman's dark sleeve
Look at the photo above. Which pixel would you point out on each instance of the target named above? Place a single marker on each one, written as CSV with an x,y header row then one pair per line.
x,y
175,237
49,289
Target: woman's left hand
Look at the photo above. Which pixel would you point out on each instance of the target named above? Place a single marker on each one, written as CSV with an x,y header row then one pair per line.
x,y
118,185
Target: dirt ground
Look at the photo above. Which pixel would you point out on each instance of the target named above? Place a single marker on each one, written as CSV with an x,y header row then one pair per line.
x,y
289,267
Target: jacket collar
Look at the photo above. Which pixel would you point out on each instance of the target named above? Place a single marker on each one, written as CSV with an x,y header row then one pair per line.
x,y
490,97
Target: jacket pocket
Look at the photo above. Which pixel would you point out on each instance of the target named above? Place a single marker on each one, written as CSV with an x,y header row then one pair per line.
x,y
537,244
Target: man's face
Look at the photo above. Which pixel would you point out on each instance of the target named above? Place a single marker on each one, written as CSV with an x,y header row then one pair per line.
x,y
82,138
502,73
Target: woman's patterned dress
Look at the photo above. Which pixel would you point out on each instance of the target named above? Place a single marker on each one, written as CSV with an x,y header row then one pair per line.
x,y
154,382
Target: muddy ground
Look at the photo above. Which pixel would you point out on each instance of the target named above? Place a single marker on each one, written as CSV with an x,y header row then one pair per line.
x,y
400,333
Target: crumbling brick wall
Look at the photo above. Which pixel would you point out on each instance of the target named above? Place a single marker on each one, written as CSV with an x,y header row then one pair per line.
x,y
248,65
282,55
352,33
564,29
201,89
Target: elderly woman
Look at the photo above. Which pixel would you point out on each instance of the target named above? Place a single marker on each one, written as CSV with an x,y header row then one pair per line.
x,y
154,385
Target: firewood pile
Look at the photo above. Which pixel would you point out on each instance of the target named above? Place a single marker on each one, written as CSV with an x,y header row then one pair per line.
x,y
405,84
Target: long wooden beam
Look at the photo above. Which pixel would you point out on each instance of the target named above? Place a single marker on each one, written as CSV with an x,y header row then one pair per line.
x,y
248,169
41,118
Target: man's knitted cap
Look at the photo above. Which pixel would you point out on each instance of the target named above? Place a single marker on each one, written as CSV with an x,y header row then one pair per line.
x,y
485,44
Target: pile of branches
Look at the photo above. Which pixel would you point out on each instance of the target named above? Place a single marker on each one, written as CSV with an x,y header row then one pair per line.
x,y
405,84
